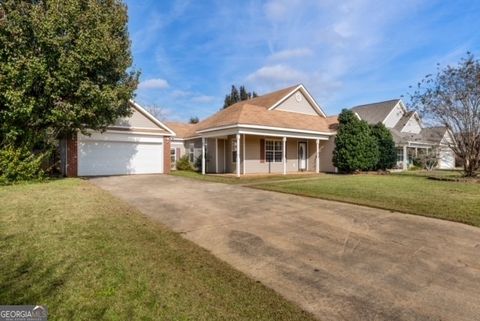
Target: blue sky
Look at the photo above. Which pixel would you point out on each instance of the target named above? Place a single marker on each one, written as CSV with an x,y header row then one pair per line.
x,y
345,52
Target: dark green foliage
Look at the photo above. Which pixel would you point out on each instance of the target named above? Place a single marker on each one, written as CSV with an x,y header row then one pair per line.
x,y
237,95
20,164
183,164
355,146
387,157
194,120
63,67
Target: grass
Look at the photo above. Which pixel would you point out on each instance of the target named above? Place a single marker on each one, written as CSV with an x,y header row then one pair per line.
x,y
410,193
88,256
249,179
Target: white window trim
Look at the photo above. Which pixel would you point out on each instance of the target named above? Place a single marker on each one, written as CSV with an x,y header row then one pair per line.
x,y
274,151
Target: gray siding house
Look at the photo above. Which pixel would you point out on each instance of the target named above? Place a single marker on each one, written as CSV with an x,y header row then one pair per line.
x,y
410,136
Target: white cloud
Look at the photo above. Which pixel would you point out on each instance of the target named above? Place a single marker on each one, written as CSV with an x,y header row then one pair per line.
x,y
180,94
291,53
203,99
277,10
276,74
154,83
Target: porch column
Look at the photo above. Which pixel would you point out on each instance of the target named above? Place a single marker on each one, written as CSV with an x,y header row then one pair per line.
x,y
405,158
203,155
284,153
243,154
317,159
216,155
238,155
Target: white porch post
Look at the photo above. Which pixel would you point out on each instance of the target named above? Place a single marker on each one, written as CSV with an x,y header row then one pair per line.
x,y
284,153
243,154
203,155
317,159
224,155
405,158
216,155
238,155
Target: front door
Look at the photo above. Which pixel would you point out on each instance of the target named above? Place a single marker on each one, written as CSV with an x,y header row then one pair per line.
x,y
302,156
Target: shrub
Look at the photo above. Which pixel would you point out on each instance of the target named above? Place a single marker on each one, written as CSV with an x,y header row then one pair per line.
x,y
183,164
355,146
387,157
20,164
198,162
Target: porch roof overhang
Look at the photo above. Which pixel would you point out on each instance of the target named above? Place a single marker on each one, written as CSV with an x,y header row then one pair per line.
x,y
417,144
264,131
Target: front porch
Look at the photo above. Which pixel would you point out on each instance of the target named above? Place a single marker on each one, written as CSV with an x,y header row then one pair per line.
x,y
407,153
243,153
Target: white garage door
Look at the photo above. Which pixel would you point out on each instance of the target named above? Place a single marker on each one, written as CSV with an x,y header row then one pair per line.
x,y
446,159
119,154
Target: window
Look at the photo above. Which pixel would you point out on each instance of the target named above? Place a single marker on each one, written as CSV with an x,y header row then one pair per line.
x,y
234,151
399,154
191,152
173,157
273,151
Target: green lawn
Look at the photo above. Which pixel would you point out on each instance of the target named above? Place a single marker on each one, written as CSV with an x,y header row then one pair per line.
x,y
411,193
232,179
89,256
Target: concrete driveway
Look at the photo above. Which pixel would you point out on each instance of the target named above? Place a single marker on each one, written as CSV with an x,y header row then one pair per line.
x,y
339,261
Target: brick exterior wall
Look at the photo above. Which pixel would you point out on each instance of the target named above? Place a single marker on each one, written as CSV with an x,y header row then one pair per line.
x,y
166,155
72,162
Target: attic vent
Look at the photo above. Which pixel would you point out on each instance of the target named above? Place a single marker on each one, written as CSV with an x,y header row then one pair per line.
x,y
298,97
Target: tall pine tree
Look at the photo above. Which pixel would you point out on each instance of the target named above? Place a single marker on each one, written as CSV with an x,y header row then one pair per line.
x,y
237,95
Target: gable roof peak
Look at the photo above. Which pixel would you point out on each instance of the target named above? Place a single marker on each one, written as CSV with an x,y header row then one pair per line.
x,y
376,112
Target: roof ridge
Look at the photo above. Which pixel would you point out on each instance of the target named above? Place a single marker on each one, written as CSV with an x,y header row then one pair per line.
x,y
375,103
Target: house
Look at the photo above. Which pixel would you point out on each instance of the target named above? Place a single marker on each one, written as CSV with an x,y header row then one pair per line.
x,y
411,138
285,131
281,132
139,144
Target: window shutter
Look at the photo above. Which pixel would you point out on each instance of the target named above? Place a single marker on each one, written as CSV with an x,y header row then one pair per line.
x,y
262,150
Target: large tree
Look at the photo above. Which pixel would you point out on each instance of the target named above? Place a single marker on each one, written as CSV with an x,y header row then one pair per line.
x,y
237,95
355,146
387,154
64,66
451,98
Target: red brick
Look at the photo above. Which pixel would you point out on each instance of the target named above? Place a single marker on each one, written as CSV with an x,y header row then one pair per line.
x,y
166,155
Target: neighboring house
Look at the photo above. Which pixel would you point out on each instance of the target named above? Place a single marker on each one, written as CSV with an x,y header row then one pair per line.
x,y
139,144
410,136
282,132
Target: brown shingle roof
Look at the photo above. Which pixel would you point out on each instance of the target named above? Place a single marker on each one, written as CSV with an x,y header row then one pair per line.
x,y
247,114
182,130
268,100
255,112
